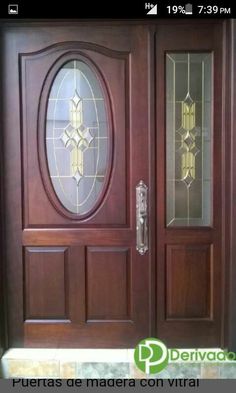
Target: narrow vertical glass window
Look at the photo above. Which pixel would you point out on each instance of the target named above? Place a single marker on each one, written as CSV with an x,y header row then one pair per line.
x,y
188,139
77,137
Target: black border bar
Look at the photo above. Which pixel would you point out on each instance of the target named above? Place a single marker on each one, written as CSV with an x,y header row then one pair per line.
x,y
90,9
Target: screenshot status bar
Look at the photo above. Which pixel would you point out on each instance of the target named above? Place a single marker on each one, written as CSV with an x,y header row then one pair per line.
x,y
130,10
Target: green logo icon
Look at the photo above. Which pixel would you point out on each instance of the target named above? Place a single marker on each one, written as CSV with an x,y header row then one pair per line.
x,y
151,355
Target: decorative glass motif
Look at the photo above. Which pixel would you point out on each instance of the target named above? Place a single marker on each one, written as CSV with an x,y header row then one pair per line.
x,y
188,128
188,148
76,137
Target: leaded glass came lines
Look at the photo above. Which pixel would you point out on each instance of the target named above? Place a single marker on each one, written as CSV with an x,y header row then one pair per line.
x,y
77,137
188,139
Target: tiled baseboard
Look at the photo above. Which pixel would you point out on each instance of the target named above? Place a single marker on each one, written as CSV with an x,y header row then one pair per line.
x,y
98,363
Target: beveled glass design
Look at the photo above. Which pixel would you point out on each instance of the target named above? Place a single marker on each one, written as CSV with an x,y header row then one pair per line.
x,y
188,139
77,137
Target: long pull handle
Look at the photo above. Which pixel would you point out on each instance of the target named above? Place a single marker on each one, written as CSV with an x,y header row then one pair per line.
x,y
141,218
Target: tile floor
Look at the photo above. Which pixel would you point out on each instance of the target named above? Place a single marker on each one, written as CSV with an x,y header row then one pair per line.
x,y
98,363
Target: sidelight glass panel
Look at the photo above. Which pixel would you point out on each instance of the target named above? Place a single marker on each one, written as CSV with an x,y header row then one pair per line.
x,y
77,137
188,139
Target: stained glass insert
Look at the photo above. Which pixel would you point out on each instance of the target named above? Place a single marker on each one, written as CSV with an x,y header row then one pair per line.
x,y
188,139
77,137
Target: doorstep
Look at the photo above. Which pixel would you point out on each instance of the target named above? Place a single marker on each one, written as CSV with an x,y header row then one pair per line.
x,y
68,363
98,363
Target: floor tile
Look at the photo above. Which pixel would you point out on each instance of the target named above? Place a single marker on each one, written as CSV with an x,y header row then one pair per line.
x,y
32,368
68,369
105,370
136,373
209,371
228,370
179,370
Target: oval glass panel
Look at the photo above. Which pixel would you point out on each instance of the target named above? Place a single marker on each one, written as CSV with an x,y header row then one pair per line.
x,y
77,137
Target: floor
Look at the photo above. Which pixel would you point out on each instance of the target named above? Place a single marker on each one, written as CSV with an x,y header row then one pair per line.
x,y
98,363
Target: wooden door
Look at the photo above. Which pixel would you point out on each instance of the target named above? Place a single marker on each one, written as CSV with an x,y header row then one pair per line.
x,y
190,183
155,98
76,146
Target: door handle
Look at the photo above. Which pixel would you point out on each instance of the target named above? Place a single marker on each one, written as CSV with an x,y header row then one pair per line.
x,y
141,218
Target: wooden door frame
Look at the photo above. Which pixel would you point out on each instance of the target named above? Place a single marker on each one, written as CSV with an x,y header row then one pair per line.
x,y
3,319
229,178
3,308
230,169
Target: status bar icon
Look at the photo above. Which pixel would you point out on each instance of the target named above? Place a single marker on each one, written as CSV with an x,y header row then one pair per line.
x,y
12,9
152,7
188,9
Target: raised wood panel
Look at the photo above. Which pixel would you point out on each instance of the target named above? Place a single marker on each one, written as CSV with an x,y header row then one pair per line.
x,y
108,283
54,284
189,281
46,283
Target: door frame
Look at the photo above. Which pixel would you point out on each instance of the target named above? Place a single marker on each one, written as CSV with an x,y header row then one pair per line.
x,y
3,305
229,170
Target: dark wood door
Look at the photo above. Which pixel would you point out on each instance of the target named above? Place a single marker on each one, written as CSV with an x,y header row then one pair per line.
x,y
190,168
75,278
90,110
